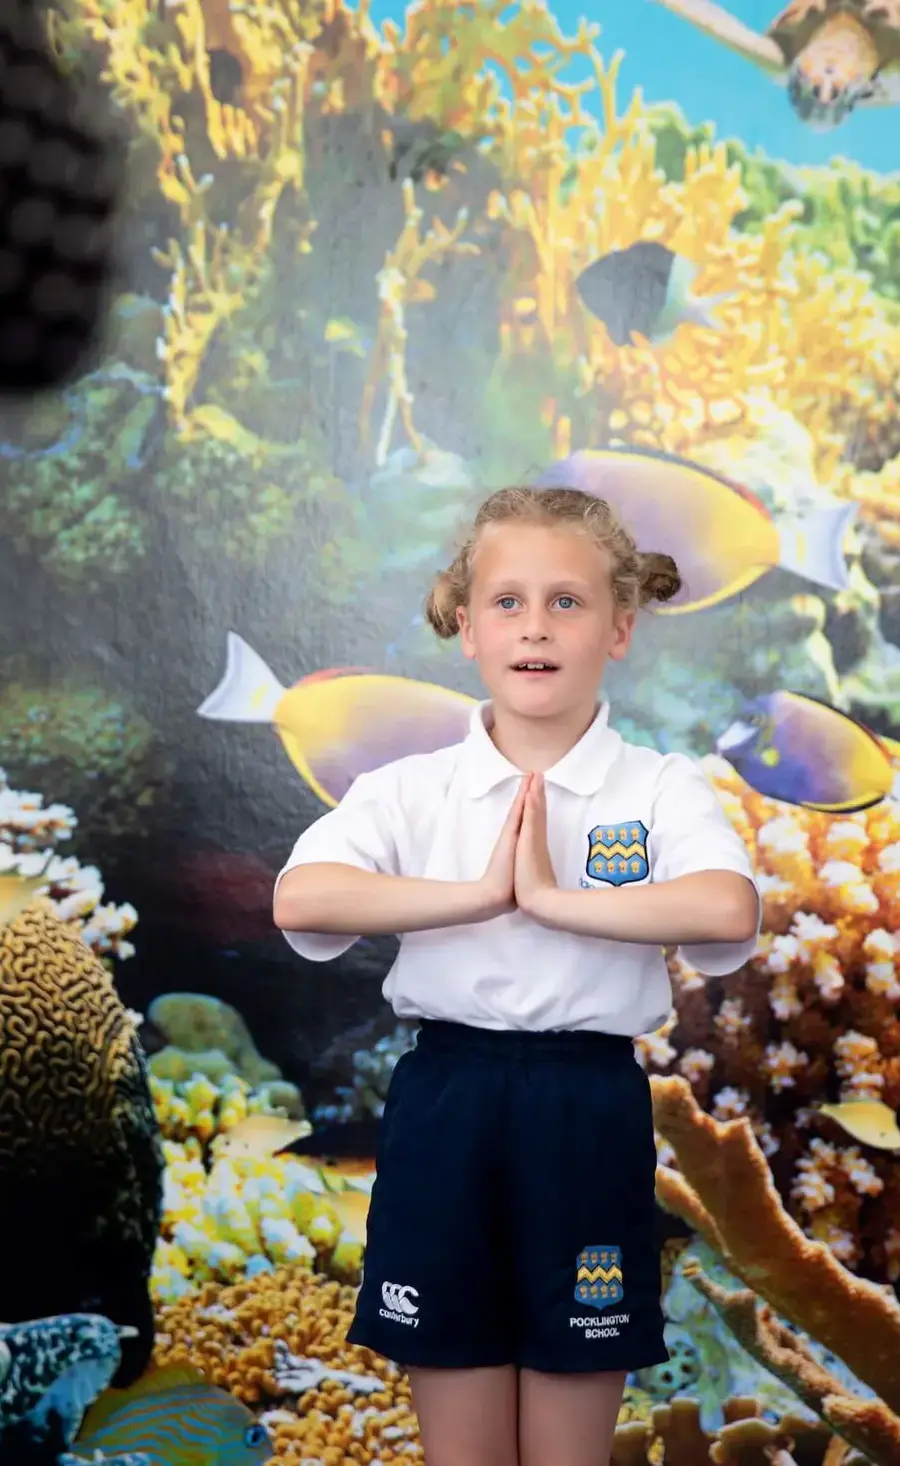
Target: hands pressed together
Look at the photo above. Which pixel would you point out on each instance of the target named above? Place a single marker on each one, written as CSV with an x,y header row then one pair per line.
x,y
520,869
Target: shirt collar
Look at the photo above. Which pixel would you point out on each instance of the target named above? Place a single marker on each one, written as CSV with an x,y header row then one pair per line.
x,y
581,770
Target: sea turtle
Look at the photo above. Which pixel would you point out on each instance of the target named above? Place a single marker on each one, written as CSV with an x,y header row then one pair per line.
x,y
834,54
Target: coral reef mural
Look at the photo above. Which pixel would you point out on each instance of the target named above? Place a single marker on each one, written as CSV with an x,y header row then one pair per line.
x,y
375,260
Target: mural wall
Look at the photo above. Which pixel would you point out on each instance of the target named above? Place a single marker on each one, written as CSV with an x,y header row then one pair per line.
x,y
376,262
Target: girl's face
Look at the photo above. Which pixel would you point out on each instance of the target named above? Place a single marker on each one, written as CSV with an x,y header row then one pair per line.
x,y
541,621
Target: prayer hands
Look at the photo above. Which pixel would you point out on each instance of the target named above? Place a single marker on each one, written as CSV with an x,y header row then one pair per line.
x,y
533,868
520,868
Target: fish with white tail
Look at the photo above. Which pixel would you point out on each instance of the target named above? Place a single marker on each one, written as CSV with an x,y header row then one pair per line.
x,y
338,724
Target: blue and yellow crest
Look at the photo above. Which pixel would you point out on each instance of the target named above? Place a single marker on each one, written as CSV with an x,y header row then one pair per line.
x,y
617,854
599,1279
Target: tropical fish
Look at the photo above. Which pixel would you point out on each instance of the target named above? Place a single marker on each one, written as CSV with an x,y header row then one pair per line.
x,y
869,1121
720,535
646,290
348,1186
175,1418
17,893
260,1136
338,724
796,749
56,1367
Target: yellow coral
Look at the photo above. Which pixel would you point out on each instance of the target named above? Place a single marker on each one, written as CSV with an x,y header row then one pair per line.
x,y
249,1216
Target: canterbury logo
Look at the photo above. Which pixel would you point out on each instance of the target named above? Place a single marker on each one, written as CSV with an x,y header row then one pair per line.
x,y
599,1274
397,1298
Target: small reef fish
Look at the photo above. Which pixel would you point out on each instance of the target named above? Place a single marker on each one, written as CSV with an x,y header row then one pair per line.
x,y
259,1136
869,1121
16,894
796,749
53,1368
336,725
646,290
721,536
175,1418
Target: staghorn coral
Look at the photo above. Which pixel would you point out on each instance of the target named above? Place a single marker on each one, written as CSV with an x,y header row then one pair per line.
x,y
865,1424
29,834
813,1017
763,1246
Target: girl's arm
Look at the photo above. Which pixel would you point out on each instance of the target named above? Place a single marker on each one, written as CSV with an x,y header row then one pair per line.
x,y
709,906
702,898
344,899
337,897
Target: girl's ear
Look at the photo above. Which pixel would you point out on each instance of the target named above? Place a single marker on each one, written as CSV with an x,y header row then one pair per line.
x,y
622,633
464,622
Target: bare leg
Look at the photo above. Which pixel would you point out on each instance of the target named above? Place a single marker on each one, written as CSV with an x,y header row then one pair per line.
x,y
567,1419
467,1417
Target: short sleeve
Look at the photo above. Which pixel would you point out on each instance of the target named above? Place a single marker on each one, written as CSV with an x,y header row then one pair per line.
x,y
692,833
362,830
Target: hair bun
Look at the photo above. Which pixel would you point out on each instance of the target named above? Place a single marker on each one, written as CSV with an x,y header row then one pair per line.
x,y
441,605
659,578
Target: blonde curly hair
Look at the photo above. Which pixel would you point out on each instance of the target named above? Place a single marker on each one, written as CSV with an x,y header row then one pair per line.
x,y
637,577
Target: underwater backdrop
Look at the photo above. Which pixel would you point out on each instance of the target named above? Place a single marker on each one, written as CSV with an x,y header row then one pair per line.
x,y
377,261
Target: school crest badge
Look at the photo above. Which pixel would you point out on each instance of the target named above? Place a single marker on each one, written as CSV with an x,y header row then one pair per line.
x,y
617,854
599,1279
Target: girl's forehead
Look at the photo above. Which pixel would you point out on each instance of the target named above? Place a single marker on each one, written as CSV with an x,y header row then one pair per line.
x,y
536,545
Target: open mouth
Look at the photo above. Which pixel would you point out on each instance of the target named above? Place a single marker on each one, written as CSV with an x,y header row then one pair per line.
x,y
535,668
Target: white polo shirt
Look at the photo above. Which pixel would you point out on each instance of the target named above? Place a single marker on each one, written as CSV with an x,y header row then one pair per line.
x,y
617,814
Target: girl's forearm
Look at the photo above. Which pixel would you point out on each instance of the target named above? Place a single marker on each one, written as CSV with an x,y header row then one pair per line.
x,y
342,899
713,906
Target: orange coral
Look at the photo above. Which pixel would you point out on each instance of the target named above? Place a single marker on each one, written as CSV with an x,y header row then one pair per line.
x,y
726,1189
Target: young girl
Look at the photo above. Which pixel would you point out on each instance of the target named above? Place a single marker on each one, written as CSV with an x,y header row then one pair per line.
x,y
535,872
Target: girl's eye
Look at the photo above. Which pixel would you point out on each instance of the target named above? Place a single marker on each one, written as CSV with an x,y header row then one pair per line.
x,y
507,602
566,602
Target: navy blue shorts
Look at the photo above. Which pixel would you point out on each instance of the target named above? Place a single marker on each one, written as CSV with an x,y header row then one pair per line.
x,y
512,1218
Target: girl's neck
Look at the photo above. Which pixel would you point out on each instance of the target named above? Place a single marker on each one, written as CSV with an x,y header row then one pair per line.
x,y
537,744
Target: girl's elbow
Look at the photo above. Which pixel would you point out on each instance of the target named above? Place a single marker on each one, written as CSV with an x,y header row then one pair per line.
x,y
289,908
742,918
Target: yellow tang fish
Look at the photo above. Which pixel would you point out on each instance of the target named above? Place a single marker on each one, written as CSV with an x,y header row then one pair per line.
x,y
174,1417
720,535
336,725
869,1121
347,1184
260,1136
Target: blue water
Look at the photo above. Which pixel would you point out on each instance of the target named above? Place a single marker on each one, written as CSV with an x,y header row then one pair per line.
x,y
672,61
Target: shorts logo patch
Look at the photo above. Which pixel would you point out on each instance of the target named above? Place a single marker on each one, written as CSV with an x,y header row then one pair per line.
x,y
398,1303
617,854
599,1279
